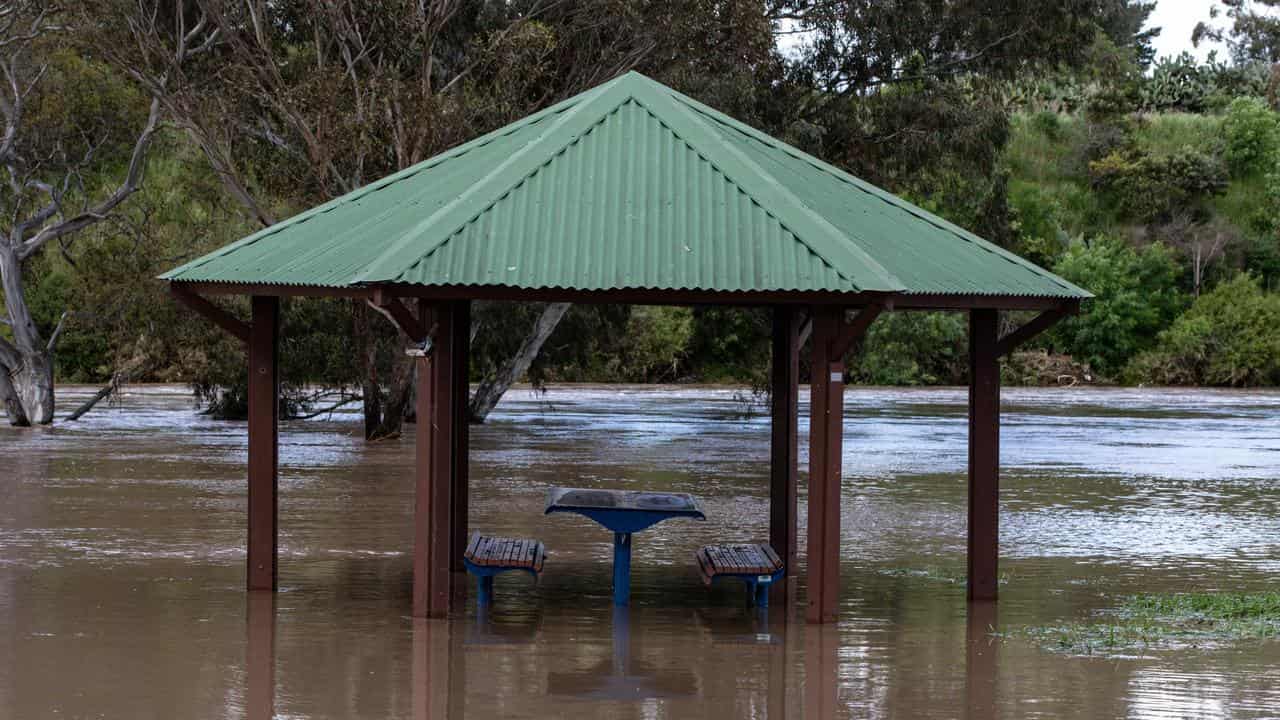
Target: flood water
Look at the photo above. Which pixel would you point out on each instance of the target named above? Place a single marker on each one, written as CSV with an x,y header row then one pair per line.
x,y
122,552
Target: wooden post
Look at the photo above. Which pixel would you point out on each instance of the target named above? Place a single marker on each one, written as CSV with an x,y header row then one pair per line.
x,y
825,445
783,465
984,455
433,470
442,420
264,408
461,343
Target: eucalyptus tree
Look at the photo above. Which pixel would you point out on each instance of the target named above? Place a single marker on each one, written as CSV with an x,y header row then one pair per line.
x,y
58,155
300,101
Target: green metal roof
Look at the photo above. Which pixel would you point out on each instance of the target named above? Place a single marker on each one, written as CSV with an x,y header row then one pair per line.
x,y
630,185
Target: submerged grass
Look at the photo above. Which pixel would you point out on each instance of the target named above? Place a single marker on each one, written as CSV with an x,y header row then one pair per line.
x,y
1167,621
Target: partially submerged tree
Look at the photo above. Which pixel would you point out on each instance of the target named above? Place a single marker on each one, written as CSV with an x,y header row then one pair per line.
x,y
57,160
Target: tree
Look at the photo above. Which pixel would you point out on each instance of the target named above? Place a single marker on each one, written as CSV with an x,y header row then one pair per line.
x,y
1253,36
260,83
1136,297
56,160
1228,337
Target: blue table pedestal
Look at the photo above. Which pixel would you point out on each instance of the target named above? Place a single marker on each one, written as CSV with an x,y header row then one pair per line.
x,y
621,569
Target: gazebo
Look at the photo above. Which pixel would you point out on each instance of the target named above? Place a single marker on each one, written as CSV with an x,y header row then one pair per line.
x,y
628,193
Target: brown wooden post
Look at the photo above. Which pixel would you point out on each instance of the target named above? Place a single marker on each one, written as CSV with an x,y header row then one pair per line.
x,y
264,408
422,486
825,445
783,465
433,469
442,419
984,455
461,435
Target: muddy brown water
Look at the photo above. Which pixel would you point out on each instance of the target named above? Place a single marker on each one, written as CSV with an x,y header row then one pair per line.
x,y
122,550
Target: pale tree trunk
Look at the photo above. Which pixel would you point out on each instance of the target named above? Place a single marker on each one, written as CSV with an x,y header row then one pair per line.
x,y
493,387
27,363
41,207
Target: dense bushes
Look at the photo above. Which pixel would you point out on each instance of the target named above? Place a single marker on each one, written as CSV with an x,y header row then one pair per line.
x,y
1230,336
1136,297
1154,188
1252,136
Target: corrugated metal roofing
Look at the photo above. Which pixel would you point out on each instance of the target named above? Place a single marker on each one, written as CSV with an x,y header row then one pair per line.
x,y
629,185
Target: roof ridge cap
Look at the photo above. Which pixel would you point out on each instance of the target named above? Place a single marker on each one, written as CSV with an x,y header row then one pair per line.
x,y
800,213
882,195
486,191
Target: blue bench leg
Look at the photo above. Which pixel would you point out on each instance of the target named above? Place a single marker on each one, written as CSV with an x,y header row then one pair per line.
x,y
621,569
484,590
762,594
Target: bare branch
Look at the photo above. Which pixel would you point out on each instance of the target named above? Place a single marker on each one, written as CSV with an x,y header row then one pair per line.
x,y
57,331
95,213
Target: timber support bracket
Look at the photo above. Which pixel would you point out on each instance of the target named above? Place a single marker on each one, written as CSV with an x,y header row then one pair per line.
x,y
1034,327
404,319
850,332
223,319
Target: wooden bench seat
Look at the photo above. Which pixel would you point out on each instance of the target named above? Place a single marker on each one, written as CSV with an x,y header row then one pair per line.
x,y
501,552
757,564
488,555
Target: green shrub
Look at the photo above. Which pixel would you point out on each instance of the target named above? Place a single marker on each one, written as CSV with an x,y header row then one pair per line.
x,y
1155,188
1036,223
1230,336
1252,136
659,340
913,349
1136,297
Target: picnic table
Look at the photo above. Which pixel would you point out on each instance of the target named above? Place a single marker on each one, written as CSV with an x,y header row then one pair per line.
x,y
624,512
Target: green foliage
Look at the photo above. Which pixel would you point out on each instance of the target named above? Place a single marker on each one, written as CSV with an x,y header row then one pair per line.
x,y
1252,133
1136,297
1154,188
1230,336
1037,223
659,341
1184,620
731,344
1169,132
913,349
1184,84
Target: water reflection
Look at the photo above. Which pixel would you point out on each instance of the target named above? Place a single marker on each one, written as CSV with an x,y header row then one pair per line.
x,y
623,674
121,565
439,664
260,656
980,667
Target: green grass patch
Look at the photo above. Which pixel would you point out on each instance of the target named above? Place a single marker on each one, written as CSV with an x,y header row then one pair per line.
x,y
1245,202
1167,133
1043,148
1144,623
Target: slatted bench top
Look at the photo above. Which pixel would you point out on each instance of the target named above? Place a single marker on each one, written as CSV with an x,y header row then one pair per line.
x,y
502,552
753,559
